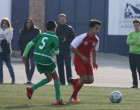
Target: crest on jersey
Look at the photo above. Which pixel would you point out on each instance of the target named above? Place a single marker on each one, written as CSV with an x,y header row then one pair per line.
x,y
85,43
94,43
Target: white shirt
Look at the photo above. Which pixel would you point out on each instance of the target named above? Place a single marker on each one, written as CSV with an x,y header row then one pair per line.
x,y
7,34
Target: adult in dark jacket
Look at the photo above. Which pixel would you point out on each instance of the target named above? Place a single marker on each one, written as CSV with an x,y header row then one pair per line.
x,y
28,33
65,35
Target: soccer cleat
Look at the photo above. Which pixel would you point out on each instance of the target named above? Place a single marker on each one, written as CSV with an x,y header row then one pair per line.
x,y
74,99
29,92
61,102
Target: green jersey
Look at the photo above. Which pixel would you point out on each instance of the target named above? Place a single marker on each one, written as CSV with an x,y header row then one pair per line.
x,y
45,44
133,40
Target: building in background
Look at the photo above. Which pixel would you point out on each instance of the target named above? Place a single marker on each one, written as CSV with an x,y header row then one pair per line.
x,y
115,15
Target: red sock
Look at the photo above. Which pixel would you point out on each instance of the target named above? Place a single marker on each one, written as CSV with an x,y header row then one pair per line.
x,y
76,89
74,81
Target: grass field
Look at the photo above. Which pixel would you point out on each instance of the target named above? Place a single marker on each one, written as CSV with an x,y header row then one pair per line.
x,y
13,97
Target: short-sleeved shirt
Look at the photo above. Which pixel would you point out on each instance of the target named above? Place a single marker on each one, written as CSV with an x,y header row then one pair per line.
x,y
45,43
83,43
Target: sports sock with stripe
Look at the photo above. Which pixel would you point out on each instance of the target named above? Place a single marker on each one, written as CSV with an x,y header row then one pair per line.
x,y
76,89
74,81
57,90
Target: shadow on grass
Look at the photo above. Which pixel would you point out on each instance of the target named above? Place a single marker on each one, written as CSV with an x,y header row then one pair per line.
x,y
26,106
67,104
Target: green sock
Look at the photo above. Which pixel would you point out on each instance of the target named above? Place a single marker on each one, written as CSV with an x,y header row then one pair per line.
x,y
57,90
39,84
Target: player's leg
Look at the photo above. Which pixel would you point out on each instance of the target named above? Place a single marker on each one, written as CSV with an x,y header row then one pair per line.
x,y
84,79
77,88
73,81
81,71
132,63
30,89
90,79
138,64
57,89
43,81
89,76
48,78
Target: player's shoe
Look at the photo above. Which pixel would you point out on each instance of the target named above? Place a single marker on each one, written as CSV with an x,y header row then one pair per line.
x,y
61,102
74,99
29,92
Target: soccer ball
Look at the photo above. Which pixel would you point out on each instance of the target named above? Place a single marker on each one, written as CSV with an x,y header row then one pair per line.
x,y
115,97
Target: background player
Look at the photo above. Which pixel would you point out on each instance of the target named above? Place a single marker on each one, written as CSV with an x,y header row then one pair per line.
x,y
82,46
46,43
133,40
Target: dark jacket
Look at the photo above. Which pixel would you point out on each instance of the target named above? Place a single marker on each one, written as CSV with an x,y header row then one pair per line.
x,y
65,31
25,37
5,49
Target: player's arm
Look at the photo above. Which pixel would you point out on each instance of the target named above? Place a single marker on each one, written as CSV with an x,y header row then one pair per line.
x,y
95,66
74,45
94,50
29,45
138,42
75,51
131,41
27,48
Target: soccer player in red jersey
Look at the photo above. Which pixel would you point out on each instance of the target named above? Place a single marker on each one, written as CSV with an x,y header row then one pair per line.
x,y
82,46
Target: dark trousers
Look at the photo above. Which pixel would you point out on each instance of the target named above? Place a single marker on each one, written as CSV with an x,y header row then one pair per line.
x,y
134,61
64,57
9,66
29,67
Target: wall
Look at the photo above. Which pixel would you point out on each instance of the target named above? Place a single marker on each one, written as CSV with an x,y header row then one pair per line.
x,y
37,12
115,25
20,11
79,12
5,9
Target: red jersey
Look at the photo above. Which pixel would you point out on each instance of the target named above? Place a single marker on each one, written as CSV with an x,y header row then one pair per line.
x,y
84,44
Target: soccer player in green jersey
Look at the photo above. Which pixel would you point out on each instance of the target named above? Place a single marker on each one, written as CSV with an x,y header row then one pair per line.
x,y
133,40
45,44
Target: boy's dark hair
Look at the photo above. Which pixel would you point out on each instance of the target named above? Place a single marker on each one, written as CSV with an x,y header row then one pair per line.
x,y
93,22
136,21
51,25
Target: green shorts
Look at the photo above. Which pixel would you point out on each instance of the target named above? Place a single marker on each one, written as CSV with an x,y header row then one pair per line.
x,y
46,68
